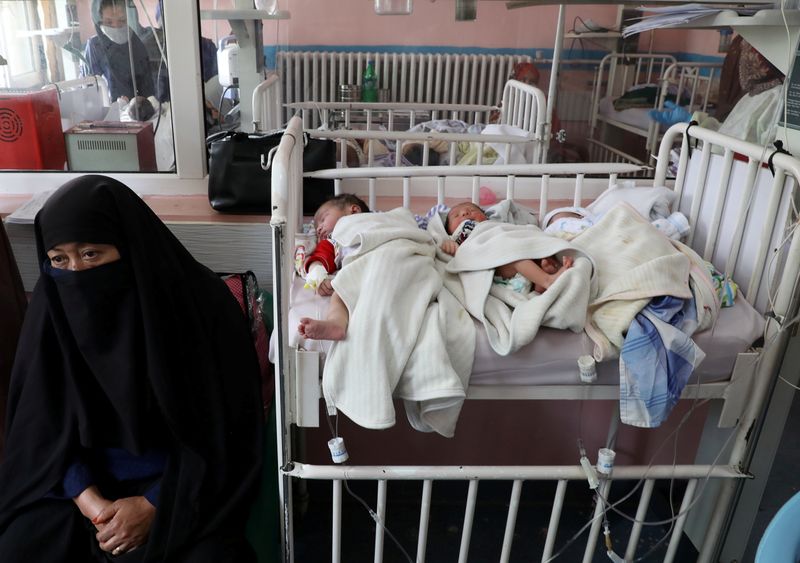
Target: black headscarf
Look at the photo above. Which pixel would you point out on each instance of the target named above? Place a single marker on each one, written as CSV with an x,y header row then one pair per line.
x,y
12,310
147,351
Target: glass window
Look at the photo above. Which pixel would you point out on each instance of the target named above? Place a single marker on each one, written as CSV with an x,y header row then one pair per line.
x,y
84,87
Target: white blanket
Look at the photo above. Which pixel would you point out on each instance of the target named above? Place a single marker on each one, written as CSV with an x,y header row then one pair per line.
x,y
512,319
407,337
635,262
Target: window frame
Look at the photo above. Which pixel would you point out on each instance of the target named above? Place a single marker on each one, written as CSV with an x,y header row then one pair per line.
x,y
186,85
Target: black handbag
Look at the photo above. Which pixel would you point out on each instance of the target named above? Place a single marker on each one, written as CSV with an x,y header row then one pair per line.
x,y
238,184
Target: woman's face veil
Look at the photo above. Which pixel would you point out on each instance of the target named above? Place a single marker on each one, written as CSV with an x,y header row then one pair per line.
x,y
97,312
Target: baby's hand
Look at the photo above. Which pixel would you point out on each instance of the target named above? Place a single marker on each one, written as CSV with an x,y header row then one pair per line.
x,y
325,288
316,276
449,247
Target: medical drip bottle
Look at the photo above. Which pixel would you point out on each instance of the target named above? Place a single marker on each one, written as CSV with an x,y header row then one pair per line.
x,y
369,83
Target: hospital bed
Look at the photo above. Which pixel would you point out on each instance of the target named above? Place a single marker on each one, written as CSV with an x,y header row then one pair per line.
x,y
621,128
743,220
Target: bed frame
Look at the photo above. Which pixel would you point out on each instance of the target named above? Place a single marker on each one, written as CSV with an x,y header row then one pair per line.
x,y
740,215
617,74
523,106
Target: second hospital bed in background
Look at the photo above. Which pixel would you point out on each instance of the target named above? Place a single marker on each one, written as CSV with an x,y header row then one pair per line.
x,y
628,87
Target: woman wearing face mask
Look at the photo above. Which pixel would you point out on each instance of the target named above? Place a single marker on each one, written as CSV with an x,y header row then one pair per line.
x,y
134,411
115,50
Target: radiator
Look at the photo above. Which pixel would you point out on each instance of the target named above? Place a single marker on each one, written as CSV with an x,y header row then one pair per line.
x,y
574,105
408,77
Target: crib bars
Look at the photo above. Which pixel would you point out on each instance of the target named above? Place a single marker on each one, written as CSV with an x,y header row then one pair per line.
x,y
689,84
741,440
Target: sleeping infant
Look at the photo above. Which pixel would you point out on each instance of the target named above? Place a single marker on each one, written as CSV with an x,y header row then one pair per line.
x,y
568,220
652,203
520,275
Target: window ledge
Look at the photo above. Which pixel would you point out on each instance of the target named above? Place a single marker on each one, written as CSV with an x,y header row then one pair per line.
x,y
170,209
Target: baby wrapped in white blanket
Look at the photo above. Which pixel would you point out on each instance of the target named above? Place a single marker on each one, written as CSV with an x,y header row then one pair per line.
x,y
653,202
407,336
513,318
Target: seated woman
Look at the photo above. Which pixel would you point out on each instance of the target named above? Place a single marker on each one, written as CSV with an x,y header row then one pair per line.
x,y
135,413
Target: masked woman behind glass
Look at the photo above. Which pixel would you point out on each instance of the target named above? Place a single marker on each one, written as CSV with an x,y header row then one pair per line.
x,y
118,54
134,411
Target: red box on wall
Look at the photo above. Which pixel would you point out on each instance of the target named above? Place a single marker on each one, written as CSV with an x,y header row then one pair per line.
x,y
30,130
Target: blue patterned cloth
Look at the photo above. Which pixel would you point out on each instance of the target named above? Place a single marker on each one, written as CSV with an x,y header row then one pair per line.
x,y
656,360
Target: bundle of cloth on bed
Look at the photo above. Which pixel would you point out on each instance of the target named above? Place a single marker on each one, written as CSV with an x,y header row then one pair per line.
x,y
466,152
638,294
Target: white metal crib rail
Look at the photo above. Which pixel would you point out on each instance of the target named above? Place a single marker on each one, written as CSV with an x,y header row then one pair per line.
x,y
689,84
745,253
392,116
768,258
618,72
511,174
523,107
267,105
409,77
695,476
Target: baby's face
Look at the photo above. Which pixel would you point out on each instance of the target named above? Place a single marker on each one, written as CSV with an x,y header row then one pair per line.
x,y
327,216
461,213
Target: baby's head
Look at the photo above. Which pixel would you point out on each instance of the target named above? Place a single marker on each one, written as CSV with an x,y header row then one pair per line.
x,y
460,213
564,213
334,209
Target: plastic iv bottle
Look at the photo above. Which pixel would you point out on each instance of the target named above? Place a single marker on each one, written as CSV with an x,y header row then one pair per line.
x,y
369,83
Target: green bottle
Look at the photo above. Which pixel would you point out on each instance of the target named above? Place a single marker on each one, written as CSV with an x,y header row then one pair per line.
x,y
369,83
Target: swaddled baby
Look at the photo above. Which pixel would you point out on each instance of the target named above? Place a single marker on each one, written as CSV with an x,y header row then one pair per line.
x,y
653,203
568,221
519,275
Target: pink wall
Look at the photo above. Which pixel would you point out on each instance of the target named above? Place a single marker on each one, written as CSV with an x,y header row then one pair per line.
x,y
432,23
702,41
348,22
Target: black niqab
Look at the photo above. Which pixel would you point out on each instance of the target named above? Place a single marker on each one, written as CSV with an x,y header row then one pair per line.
x,y
148,351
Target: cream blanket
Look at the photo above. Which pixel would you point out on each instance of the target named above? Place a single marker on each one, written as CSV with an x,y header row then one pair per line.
x,y
512,319
635,262
407,337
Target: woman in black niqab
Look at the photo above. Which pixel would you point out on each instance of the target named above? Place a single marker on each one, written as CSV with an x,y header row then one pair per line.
x,y
145,361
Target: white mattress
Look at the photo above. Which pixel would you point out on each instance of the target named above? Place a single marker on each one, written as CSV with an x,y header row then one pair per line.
x,y
636,117
551,359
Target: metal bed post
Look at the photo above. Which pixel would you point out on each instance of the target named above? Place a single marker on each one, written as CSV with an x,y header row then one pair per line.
x,y
511,520
424,519
551,88
282,431
283,223
555,517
